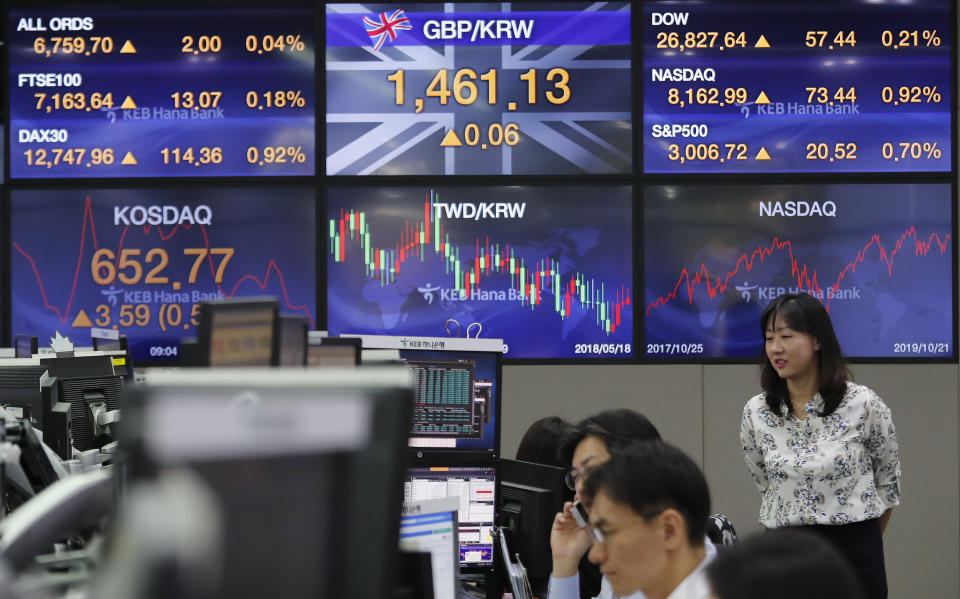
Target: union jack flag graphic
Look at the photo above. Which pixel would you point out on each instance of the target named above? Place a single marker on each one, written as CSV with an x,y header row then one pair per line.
x,y
370,134
386,26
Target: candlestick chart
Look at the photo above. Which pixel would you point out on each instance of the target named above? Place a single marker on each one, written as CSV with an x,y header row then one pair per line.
x,y
879,258
548,269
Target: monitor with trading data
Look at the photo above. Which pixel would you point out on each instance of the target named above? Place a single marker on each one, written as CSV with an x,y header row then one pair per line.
x,y
92,257
456,390
143,89
475,486
879,257
547,268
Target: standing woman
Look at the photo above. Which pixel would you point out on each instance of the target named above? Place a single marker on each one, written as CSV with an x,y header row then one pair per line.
x,y
821,449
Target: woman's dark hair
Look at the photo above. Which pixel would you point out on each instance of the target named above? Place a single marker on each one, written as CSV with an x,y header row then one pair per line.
x,y
616,428
804,313
651,476
542,441
782,564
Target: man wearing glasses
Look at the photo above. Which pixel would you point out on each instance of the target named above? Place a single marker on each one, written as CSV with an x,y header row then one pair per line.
x,y
589,444
648,511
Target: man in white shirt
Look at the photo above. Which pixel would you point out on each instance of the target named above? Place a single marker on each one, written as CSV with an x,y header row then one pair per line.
x,y
648,511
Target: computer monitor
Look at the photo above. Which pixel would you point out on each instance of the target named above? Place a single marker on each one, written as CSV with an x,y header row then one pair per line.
x,y
333,352
311,459
20,393
237,332
475,487
414,578
25,346
57,418
80,364
292,340
74,399
430,526
529,499
90,385
107,340
456,392
114,344
380,356
122,364
29,393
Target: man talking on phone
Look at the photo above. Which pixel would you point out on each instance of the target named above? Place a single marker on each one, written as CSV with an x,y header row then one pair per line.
x,y
648,511
587,445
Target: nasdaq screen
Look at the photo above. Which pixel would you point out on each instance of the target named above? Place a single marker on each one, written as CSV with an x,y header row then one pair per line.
x,y
139,261
879,258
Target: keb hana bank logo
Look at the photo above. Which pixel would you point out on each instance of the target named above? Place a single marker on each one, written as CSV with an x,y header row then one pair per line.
x,y
382,27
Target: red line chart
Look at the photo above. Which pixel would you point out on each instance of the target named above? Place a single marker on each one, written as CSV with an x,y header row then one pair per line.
x,y
807,278
88,220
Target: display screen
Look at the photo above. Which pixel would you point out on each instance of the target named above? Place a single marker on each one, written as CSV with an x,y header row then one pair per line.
x,y
334,355
455,399
879,257
242,335
850,86
434,533
140,260
475,487
475,89
161,92
546,269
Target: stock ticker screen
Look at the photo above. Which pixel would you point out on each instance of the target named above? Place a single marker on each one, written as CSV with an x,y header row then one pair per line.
x,y
525,171
878,256
479,89
455,399
857,86
161,92
547,269
475,487
138,261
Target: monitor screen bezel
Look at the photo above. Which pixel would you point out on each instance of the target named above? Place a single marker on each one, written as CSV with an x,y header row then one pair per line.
x,y
353,342
99,342
211,307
